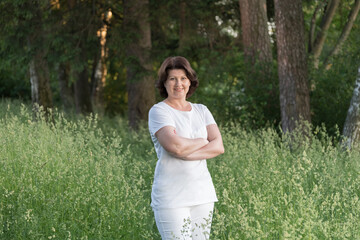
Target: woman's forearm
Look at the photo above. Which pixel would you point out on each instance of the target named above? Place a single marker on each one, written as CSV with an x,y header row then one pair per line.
x,y
210,150
176,145
183,147
191,149
214,148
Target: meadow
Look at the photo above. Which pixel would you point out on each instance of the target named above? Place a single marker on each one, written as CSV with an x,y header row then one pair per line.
x,y
90,178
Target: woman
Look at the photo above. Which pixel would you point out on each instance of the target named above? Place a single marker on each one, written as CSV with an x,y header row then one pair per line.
x,y
184,135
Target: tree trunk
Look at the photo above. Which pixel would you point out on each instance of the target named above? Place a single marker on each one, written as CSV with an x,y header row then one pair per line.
x,y
79,72
255,34
183,25
82,93
41,94
40,84
101,68
259,83
346,30
325,24
140,83
66,90
351,129
292,66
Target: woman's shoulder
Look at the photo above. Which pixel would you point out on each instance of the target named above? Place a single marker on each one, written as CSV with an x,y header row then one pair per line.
x,y
158,108
159,105
199,106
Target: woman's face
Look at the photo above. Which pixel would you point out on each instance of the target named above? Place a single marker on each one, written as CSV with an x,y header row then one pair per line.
x,y
177,84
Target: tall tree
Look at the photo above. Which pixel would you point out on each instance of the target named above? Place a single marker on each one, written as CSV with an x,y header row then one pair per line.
x,y
140,80
78,24
346,30
82,90
40,82
66,88
351,129
260,84
292,65
317,46
101,67
183,25
39,71
25,40
255,34
329,9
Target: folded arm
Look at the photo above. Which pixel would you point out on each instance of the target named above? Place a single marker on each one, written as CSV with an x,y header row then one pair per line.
x,y
177,146
214,148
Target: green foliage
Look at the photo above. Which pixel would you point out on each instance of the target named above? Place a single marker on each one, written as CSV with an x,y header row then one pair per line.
x,y
332,91
90,178
221,83
10,87
269,192
18,21
205,27
115,91
68,34
69,180
223,79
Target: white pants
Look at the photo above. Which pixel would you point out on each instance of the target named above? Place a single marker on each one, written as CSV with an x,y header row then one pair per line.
x,y
185,223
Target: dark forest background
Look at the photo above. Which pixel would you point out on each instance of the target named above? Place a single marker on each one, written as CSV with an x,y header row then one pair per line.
x,y
98,56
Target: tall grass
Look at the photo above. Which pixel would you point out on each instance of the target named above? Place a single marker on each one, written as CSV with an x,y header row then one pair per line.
x,y
91,178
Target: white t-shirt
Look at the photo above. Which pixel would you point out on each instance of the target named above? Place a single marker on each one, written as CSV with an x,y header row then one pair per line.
x,y
179,183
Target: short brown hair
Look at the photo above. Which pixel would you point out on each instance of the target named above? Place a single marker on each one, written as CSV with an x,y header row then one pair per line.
x,y
171,63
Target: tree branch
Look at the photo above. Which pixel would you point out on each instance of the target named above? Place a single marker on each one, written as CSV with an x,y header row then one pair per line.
x,y
313,25
346,30
325,24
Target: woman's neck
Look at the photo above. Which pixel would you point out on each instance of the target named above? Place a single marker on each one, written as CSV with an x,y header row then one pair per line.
x,y
179,104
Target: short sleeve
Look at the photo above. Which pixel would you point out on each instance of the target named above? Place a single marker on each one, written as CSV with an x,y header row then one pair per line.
x,y
159,118
209,119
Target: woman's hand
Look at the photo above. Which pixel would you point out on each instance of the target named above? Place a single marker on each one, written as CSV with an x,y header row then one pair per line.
x,y
214,148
